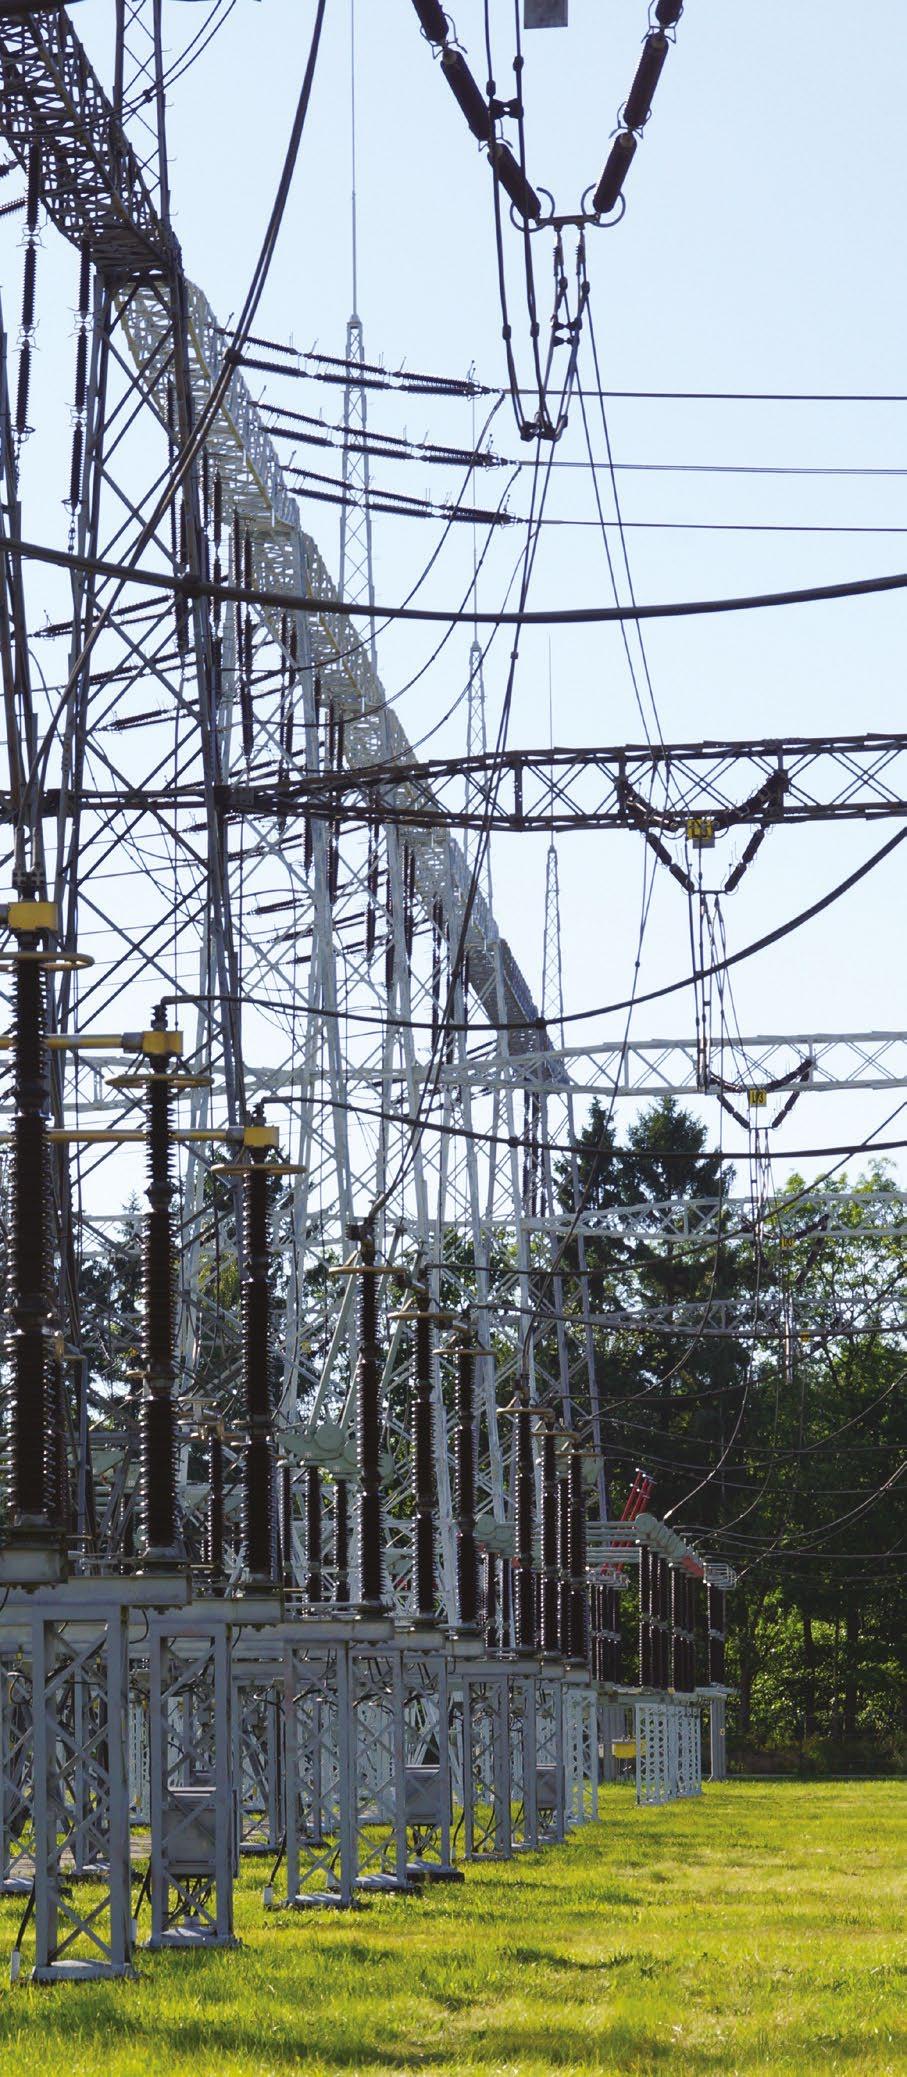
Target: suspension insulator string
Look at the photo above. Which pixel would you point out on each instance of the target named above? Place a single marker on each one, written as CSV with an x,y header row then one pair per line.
x,y
579,1614
437,928
595,1629
282,772
678,1668
368,1434
371,881
490,1595
258,1467
465,1485
158,1446
158,1452
80,396
217,518
645,1617
423,1479
550,1611
314,1585
286,1524
507,1578
23,429
524,1577
450,1042
35,1474
389,934
563,1547
341,1550
215,1528
292,676
663,1623
716,1628
482,112
245,644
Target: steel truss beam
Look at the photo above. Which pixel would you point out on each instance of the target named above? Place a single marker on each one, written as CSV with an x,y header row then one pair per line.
x,y
680,789
91,182
856,1214
676,789
816,1062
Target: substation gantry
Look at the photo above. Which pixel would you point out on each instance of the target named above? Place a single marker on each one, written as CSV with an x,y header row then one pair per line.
x,y
327,1575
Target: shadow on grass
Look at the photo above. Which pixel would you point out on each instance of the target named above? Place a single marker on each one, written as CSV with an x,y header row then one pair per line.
x,y
325,2039
434,2040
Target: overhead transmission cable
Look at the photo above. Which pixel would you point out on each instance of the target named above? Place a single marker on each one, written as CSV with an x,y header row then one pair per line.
x,y
566,616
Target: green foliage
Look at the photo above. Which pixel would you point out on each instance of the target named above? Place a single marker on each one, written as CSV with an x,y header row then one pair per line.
x,y
779,1449
110,1287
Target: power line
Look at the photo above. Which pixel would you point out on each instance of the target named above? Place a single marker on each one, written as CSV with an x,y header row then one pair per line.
x,y
564,616
748,396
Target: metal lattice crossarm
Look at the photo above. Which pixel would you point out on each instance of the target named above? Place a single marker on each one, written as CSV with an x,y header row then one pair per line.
x,y
91,182
820,1062
809,1061
695,790
862,1214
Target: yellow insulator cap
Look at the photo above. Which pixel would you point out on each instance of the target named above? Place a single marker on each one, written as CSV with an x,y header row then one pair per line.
x,y
158,1042
261,1136
32,915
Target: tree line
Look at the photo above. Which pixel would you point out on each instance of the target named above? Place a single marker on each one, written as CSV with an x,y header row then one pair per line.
x,y
760,1374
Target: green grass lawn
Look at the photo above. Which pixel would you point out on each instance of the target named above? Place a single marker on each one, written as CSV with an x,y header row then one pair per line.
x,y
762,1929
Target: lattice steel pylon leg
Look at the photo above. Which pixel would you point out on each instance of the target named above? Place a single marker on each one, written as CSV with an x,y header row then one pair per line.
x,y
80,1774
193,1826
16,1776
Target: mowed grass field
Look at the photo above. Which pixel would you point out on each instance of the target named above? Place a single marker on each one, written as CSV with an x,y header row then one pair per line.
x,y
761,1929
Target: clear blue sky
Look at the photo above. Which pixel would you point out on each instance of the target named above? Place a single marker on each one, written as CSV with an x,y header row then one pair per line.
x,y
760,250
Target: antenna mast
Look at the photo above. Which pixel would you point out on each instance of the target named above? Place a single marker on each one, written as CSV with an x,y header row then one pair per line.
x,y
357,581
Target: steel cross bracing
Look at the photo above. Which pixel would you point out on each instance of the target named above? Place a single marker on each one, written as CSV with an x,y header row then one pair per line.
x,y
670,788
356,576
637,1068
92,183
183,920
164,319
679,790
867,1212
241,451
89,172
